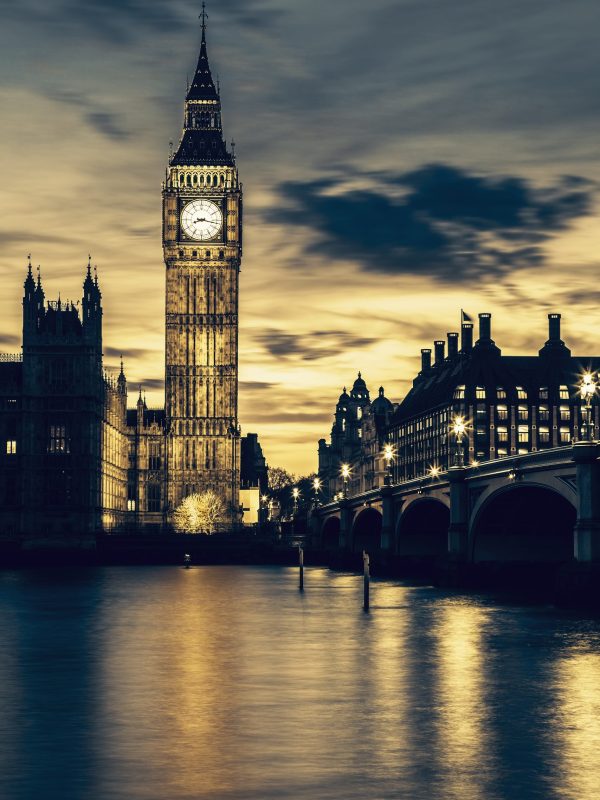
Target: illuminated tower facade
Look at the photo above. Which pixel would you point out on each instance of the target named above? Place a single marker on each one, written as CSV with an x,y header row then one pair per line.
x,y
202,245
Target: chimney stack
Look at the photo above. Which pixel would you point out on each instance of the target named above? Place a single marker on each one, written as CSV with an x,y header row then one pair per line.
x,y
439,347
467,337
452,345
554,327
485,328
425,359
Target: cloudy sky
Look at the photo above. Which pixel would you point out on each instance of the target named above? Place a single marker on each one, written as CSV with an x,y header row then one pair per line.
x,y
401,159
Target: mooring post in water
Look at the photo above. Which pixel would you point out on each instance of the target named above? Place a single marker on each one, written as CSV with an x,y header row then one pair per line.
x,y
187,560
301,567
365,581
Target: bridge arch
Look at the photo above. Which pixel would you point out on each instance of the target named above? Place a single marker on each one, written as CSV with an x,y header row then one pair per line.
x,y
366,530
330,533
422,530
524,522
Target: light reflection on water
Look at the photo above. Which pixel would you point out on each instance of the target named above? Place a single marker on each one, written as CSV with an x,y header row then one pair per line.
x,y
225,682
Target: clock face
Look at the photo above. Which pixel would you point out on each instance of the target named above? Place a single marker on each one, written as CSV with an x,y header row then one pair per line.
x,y
201,220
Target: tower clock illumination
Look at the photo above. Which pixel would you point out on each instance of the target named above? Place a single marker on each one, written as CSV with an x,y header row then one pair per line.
x,y
201,220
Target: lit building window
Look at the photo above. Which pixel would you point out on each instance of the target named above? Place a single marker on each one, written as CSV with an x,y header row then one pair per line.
x,y
459,393
565,414
543,393
565,435
58,442
523,413
521,393
564,392
544,435
358,412
544,413
500,393
480,393
11,447
502,412
523,432
502,434
131,505
501,452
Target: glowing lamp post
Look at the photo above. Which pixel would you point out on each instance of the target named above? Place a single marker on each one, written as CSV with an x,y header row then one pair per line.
x,y
587,390
459,428
264,501
345,472
388,454
434,472
316,489
295,495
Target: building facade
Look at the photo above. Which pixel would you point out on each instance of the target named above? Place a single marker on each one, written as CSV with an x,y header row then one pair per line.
x,y
358,436
63,428
512,405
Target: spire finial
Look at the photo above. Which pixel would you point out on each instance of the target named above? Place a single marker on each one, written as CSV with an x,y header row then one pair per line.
x,y
29,264
203,16
359,375
95,276
39,277
89,266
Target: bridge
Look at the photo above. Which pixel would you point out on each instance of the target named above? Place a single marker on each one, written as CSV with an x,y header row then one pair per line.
x,y
539,507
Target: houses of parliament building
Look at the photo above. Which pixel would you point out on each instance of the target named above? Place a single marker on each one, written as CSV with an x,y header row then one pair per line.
x,y
73,457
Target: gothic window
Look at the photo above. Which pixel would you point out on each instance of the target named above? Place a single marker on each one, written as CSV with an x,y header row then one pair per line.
x,y
521,393
564,392
543,413
523,413
11,447
154,456
500,393
459,393
58,441
543,393
502,412
502,434
153,497
544,434
188,180
480,392
565,436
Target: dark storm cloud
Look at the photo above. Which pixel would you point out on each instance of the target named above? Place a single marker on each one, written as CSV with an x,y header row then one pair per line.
x,y
256,386
152,384
106,122
7,340
310,346
447,223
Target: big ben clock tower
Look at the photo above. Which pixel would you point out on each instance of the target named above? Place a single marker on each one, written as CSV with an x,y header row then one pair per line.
x,y
202,245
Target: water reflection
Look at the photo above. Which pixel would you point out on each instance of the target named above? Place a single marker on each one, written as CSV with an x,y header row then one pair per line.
x,y
226,682
463,713
576,724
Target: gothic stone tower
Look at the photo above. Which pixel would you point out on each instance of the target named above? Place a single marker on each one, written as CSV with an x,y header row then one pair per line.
x,y
202,244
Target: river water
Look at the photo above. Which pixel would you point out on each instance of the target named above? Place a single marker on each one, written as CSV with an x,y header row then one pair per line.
x,y
225,682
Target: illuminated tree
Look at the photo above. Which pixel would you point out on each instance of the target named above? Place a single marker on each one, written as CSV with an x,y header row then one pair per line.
x,y
199,513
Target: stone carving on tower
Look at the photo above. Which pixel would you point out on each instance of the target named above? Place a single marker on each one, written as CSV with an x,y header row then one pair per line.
x,y
202,245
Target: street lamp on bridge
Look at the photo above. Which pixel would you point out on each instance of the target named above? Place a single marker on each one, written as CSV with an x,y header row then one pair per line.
x,y
388,454
587,391
459,428
295,495
345,473
317,483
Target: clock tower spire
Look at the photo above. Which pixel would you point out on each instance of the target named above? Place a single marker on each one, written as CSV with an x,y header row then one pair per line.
x,y
202,246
